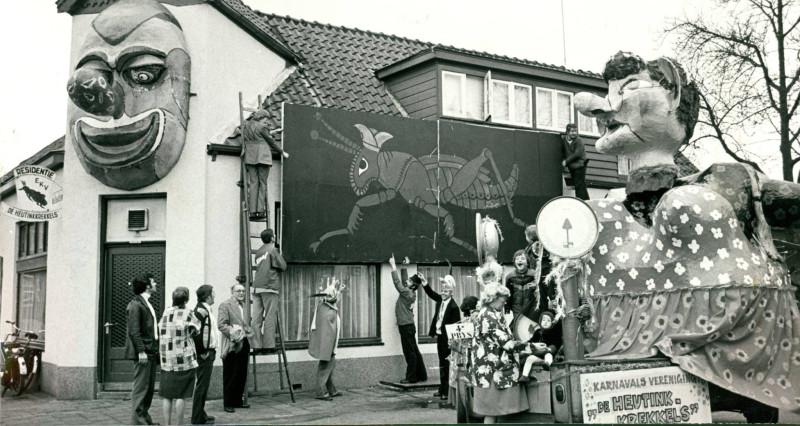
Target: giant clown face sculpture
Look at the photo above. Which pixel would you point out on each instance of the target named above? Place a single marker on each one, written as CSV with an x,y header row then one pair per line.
x,y
131,87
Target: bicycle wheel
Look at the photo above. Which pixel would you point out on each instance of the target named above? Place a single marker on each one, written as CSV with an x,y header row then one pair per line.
x,y
11,379
33,370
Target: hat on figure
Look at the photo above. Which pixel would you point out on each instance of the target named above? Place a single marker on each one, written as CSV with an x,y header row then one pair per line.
x,y
448,282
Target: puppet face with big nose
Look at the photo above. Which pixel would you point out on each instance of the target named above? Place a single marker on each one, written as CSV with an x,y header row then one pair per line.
x,y
639,112
131,90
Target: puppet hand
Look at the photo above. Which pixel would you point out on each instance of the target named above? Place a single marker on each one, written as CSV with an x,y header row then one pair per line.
x,y
583,312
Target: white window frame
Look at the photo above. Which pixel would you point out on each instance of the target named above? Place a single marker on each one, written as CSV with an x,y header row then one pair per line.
x,y
554,111
463,78
594,132
512,104
623,165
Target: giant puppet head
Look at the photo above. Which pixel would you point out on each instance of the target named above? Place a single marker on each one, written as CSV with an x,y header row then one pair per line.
x,y
650,108
131,87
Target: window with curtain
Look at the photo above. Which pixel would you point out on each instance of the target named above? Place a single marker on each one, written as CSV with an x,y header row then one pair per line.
x,y
554,109
31,267
466,285
511,103
587,125
462,95
31,290
358,306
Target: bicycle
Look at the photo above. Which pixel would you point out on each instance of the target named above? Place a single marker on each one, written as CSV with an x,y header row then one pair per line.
x,y
21,354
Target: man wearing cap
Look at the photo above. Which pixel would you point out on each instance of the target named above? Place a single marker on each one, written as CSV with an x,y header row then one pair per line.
x,y
447,312
404,310
258,160
266,285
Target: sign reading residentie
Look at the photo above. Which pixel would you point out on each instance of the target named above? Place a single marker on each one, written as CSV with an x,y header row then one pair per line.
x,y
38,195
567,227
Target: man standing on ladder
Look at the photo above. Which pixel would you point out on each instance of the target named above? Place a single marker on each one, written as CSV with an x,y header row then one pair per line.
x,y
258,160
266,285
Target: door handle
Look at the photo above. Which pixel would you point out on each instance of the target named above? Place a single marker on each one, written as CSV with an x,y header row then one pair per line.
x,y
107,326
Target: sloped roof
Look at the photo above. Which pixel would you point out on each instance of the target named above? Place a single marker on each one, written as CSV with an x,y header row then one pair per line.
x,y
54,147
235,10
338,68
339,65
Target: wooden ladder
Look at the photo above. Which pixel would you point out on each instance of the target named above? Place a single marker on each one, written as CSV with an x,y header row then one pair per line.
x,y
246,262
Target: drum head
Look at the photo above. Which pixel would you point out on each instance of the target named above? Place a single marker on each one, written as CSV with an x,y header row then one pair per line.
x,y
524,328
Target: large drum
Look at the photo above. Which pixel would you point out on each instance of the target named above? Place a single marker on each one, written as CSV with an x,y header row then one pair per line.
x,y
488,236
523,328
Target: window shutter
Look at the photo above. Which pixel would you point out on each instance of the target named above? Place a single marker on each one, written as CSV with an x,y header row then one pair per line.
x,y
137,220
487,96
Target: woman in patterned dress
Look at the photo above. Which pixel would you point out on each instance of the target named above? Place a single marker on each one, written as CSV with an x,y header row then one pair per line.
x,y
494,370
178,355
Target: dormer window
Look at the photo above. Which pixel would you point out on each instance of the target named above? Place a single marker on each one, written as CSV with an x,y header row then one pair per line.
x,y
553,109
511,103
588,126
462,95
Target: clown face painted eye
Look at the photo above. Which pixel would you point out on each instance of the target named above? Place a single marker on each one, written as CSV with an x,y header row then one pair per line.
x,y
143,70
363,165
144,76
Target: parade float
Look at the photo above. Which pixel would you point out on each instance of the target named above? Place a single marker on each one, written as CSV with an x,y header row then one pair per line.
x,y
692,305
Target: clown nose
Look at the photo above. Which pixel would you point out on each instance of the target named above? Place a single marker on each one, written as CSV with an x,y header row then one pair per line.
x,y
93,91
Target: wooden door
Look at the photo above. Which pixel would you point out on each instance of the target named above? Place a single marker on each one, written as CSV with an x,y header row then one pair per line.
x,y
122,264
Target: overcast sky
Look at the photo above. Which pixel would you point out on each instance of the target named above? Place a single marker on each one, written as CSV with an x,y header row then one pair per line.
x,y
36,43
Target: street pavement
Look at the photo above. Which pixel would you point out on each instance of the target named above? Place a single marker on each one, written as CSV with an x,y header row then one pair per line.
x,y
375,405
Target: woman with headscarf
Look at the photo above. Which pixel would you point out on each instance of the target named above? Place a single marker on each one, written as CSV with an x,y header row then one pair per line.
x,y
324,337
178,355
494,371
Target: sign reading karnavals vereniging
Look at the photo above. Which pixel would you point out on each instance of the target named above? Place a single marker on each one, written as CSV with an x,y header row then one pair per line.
x,y
38,195
645,396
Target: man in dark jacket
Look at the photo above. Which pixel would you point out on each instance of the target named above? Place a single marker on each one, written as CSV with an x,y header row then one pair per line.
x,y
575,159
266,297
257,151
447,312
141,346
206,342
404,310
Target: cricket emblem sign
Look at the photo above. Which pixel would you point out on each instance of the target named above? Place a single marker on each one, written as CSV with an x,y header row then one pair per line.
x,y
38,195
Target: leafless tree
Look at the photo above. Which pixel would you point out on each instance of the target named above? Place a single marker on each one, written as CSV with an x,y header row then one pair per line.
x,y
744,57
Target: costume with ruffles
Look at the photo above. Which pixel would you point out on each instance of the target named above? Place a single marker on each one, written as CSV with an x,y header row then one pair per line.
x,y
686,269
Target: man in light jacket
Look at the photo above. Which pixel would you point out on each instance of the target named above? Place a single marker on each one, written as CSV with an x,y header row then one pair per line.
x,y
324,337
234,348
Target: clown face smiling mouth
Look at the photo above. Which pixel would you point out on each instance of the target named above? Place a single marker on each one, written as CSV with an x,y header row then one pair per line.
x,y
120,142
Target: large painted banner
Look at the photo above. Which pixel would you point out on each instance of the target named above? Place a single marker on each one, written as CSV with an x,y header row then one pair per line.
x,y
359,187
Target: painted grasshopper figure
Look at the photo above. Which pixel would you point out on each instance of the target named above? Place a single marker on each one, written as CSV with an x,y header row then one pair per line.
x,y
429,182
